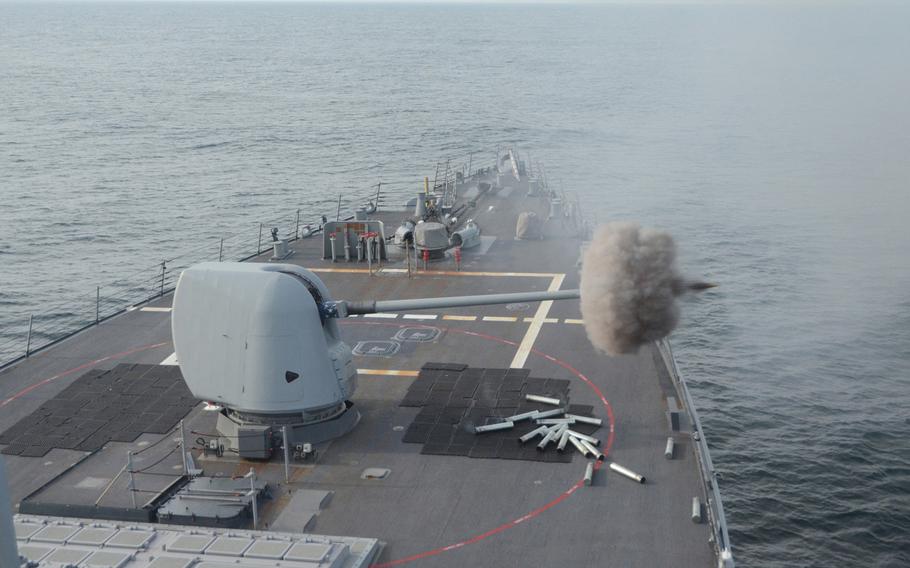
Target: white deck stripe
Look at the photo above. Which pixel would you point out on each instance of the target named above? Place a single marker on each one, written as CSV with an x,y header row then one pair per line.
x,y
171,360
500,318
381,315
576,321
388,372
419,316
459,318
154,309
546,320
534,329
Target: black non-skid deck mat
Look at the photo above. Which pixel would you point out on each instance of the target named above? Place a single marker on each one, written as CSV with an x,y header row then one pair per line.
x,y
101,406
454,398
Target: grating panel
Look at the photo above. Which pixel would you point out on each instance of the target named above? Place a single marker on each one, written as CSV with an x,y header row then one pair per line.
x,y
57,534
98,407
228,546
25,530
190,543
457,398
65,556
171,562
34,553
308,552
269,549
92,536
130,539
106,559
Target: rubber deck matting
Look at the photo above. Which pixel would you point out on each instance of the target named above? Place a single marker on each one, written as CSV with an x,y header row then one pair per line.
x,y
454,398
102,406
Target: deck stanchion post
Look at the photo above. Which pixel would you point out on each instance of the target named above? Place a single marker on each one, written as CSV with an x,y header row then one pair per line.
x,y
163,268
297,226
28,337
221,250
259,242
369,246
252,476
287,459
338,211
132,485
378,245
97,304
186,469
407,255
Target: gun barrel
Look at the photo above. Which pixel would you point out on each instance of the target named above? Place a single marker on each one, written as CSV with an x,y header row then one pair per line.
x,y
372,307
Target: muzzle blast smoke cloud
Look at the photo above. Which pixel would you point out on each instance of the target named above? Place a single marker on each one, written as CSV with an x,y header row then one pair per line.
x,y
629,286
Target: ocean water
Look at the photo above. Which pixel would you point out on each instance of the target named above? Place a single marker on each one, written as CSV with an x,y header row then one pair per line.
x,y
772,140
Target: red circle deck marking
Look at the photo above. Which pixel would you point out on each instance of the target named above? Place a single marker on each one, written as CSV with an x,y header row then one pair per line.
x,y
536,512
62,374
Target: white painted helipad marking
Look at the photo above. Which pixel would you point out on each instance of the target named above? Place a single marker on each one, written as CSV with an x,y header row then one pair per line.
x,y
459,318
546,320
419,316
576,321
527,343
154,309
381,315
171,360
500,318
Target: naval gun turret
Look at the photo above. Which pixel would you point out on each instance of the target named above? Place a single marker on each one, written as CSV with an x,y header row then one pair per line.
x,y
261,341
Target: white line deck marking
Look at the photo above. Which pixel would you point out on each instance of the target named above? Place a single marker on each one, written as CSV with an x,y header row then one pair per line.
x,y
459,318
388,372
154,309
500,318
577,321
419,316
546,320
171,360
381,315
536,324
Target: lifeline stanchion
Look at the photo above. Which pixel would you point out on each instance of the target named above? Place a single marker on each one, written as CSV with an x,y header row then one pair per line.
x,y
458,259
132,486
287,461
407,255
426,259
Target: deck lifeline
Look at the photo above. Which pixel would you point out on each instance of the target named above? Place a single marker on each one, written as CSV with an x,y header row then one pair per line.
x,y
443,510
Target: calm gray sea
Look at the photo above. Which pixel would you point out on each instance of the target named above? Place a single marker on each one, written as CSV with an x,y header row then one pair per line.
x,y
772,140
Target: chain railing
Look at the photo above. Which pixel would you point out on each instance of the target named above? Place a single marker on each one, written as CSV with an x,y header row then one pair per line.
x,y
62,319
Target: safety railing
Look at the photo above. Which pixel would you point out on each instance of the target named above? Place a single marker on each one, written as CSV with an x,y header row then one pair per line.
x,y
714,505
61,319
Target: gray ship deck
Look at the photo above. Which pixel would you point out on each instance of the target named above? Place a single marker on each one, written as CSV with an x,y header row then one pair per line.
x,y
431,510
